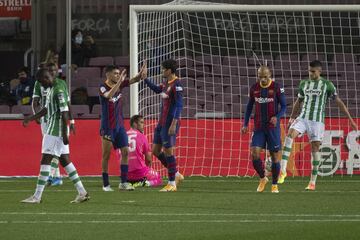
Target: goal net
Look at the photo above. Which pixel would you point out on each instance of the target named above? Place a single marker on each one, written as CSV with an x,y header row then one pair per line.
x,y
218,49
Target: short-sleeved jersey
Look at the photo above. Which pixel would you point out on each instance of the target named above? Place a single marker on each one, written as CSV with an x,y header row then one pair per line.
x,y
138,147
41,92
315,94
111,109
56,102
171,96
266,103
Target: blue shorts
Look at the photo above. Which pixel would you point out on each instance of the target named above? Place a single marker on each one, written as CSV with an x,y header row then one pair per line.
x,y
267,139
162,137
118,137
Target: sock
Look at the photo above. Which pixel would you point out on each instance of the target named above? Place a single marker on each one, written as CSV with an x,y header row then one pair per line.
x,y
275,170
286,153
315,166
259,168
124,172
171,163
74,177
42,179
162,159
105,177
54,172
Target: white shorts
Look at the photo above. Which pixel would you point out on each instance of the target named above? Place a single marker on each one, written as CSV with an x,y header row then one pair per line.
x,y
315,130
54,146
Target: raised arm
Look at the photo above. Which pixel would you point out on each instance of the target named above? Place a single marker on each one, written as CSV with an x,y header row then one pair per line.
x,y
142,74
115,88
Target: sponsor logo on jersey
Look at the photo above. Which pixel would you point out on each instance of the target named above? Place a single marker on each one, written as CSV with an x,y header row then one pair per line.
x,y
264,100
311,92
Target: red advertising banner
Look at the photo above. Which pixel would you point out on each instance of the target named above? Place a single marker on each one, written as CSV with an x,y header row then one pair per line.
x,y
198,151
16,8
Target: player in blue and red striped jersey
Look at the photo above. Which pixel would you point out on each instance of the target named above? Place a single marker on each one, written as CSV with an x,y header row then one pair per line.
x,y
112,129
168,126
267,95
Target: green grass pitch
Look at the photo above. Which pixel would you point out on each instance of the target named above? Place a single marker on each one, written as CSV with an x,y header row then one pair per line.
x,y
203,208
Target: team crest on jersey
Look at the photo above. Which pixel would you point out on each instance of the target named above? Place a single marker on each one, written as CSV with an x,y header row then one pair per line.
x,y
61,97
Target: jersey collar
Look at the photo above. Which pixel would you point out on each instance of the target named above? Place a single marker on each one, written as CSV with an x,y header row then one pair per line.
x,y
172,80
266,86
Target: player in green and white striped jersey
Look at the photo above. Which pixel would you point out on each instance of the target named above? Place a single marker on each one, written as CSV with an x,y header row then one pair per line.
x,y
39,97
55,140
314,93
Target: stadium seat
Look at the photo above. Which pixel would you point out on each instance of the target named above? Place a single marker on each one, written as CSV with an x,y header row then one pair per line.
x,y
123,61
96,109
210,60
101,61
184,61
82,75
4,109
79,111
93,91
24,109
94,81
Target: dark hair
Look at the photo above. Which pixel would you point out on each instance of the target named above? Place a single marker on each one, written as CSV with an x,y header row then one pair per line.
x,y
110,68
23,69
169,64
135,119
315,63
74,32
41,73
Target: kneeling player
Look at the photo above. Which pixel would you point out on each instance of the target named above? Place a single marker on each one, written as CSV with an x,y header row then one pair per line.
x,y
267,95
140,171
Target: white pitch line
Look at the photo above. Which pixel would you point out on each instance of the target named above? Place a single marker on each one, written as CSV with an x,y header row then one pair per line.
x,y
305,180
180,221
196,190
184,214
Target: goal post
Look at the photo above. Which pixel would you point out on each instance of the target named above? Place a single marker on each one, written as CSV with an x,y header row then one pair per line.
x,y
218,48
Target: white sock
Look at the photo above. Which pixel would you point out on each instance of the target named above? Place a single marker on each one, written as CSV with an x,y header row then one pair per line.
x,y
315,166
172,183
42,179
74,177
55,168
286,153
